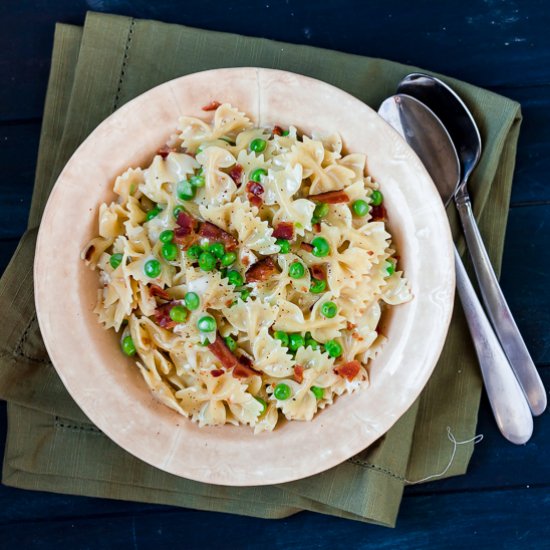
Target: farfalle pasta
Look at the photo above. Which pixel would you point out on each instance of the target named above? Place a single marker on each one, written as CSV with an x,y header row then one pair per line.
x,y
246,270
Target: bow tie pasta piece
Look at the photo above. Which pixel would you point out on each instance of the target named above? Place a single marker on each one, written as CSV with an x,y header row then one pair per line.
x,y
219,187
127,184
250,318
397,289
270,356
279,187
240,218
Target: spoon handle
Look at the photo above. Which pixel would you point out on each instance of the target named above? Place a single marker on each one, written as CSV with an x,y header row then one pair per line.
x,y
499,312
507,400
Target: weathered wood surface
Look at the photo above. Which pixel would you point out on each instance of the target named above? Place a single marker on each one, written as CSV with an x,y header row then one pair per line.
x,y
504,500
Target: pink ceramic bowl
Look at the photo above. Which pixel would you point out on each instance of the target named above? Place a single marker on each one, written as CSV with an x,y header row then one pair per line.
x,y
108,387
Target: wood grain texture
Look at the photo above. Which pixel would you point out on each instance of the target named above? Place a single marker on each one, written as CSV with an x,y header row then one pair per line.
x,y
503,501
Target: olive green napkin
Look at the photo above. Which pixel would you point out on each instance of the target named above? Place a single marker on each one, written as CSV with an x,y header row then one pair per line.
x,y
52,446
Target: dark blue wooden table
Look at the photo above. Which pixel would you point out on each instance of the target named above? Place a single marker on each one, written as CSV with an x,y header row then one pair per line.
x,y
504,500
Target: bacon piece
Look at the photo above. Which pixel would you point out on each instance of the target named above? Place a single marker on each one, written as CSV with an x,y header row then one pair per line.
x,y
348,370
378,213
331,197
255,191
223,353
212,106
155,290
277,131
242,371
350,326
215,234
162,315
236,173
261,271
318,272
217,372
284,230
307,247
299,373
165,151
187,224
317,227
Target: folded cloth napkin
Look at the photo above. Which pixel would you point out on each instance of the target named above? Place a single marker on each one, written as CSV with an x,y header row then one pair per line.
x,y
52,446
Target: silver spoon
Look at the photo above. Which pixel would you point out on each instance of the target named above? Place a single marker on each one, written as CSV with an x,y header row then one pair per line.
x,y
426,135
459,122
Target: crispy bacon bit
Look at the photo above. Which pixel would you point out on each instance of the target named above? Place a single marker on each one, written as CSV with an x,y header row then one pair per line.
x,y
212,106
155,290
216,372
236,173
187,224
277,131
284,230
165,150
318,272
378,213
317,227
350,326
331,197
223,353
255,188
217,235
162,315
255,201
307,247
348,370
261,271
299,373
245,361
242,371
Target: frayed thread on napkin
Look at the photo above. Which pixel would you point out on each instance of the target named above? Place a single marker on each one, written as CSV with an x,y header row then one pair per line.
x,y
477,439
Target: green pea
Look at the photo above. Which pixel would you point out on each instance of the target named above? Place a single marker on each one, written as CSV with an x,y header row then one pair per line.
x,y
217,249
153,213
166,236
329,310
128,347
169,251
321,248
317,286
262,403
360,208
282,336
228,258
199,150
296,270
295,341
390,267
318,392
285,133
256,175
284,246
207,261
152,268
186,191
333,348
258,145
115,260
197,181
194,252
230,343
192,301
282,391
206,324
177,209
321,210
235,278
376,198
245,294
178,314
311,343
